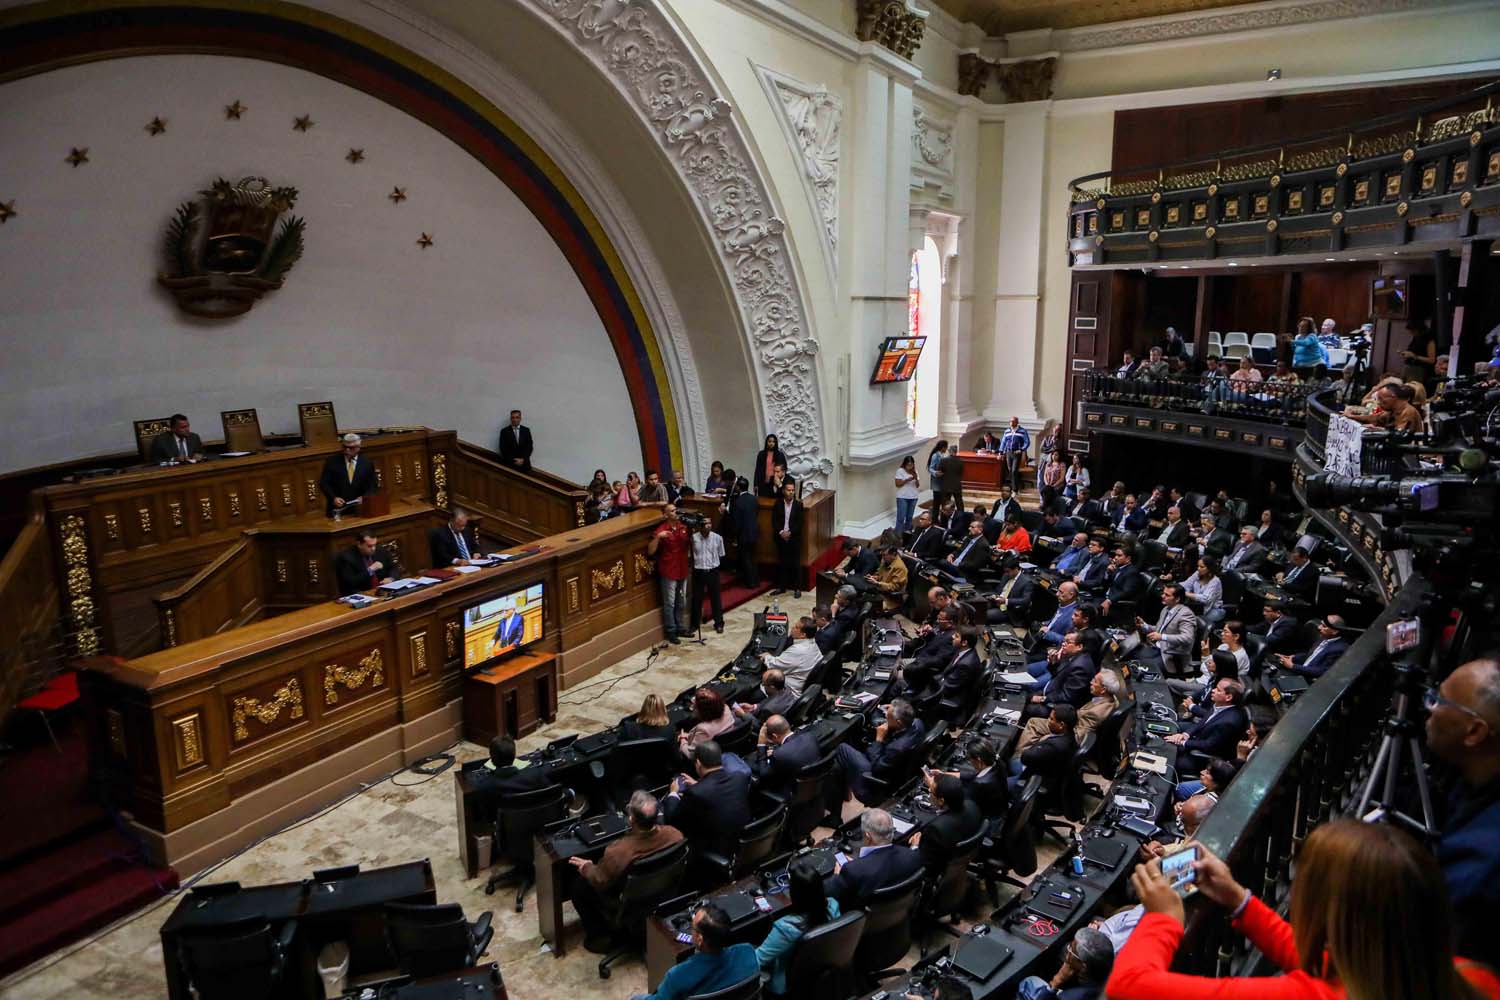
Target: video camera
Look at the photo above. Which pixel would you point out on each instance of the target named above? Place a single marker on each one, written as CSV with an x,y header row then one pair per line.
x,y
692,519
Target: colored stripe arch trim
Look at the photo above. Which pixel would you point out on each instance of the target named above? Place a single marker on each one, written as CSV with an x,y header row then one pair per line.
x,y
40,37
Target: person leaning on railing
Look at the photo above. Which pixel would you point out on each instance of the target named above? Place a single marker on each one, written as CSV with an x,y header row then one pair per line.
x,y
1369,919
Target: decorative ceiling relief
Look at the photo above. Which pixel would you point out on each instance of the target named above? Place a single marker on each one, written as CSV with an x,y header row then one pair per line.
x,y
638,47
932,153
896,24
811,117
1021,79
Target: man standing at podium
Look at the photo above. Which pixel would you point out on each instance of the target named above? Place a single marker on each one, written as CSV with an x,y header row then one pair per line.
x,y
515,444
347,477
364,566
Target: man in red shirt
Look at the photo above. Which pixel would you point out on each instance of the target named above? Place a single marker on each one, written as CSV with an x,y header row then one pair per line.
x,y
670,546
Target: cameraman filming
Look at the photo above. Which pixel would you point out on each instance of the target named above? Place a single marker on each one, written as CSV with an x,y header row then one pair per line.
x,y
669,546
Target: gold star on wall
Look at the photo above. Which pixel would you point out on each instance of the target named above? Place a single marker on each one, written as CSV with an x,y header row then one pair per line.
x,y
157,126
233,111
355,156
78,157
302,123
7,211
397,195
425,241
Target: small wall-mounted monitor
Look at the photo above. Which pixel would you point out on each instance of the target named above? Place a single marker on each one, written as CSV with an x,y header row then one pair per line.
x,y
1388,298
898,360
498,626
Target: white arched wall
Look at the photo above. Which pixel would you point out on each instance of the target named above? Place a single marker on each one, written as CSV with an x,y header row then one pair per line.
x,y
489,317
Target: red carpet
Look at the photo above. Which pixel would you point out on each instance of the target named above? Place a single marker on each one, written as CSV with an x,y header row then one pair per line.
x,y
66,870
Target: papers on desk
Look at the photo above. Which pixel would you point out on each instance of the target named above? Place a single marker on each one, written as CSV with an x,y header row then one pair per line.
x,y
233,454
1010,716
889,650
396,586
1017,677
357,600
466,569
426,581
901,826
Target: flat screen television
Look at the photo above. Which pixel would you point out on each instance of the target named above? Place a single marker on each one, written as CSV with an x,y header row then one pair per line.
x,y
898,360
1388,298
500,625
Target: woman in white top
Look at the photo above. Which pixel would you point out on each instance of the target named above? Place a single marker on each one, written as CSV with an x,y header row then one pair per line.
x,y
1232,641
1205,591
907,487
1077,477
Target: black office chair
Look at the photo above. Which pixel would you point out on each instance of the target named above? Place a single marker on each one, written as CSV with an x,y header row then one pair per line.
x,y
803,706
827,673
1255,646
1153,555
851,648
520,818
749,989
637,764
823,960
1109,743
244,960
648,880
1031,520
887,935
756,843
1011,850
1232,583
946,896
807,806
431,940
738,738
1062,793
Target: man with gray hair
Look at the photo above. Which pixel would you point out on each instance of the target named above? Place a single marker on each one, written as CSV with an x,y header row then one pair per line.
x,y
880,864
593,881
453,544
1105,690
347,477
1086,965
891,757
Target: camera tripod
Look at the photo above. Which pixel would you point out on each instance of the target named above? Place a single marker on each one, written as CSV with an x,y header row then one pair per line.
x,y
1402,738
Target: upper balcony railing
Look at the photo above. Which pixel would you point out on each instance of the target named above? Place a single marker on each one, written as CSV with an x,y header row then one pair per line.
x,y
1428,175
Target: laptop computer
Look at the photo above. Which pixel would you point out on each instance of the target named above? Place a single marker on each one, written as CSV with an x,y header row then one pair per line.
x,y
981,957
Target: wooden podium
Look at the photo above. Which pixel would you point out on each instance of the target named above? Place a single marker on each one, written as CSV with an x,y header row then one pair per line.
x,y
512,698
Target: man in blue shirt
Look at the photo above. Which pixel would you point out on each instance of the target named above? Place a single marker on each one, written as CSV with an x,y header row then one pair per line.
x,y
714,964
1014,444
1463,730
1074,557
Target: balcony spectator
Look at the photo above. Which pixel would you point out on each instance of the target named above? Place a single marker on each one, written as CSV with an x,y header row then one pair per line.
x,y
1155,368
1174,348
1077,477
1393,410
1307,349
1420,355
1128,366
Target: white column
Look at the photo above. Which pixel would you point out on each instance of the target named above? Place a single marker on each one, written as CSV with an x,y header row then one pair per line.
x,y
1017,308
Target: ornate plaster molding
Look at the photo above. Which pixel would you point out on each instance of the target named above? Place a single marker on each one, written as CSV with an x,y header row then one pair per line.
x,y
896,24
635,44
932,153
812,118
1250,17
1021,79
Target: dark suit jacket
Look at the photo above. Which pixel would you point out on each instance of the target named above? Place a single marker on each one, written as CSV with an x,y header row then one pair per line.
x,y
776,704
951,468
713,812
1279,637
959,676
987,442
1302,580
780,521
334,482
349,569
975,557
861,878
931,657
1089,512
990,793
744,518
1126,584
775,768
958,527
511,780
847,618
516,443
1070,684
164,447
1134,521
758,478
1091,575
829,636
1051,756
945,831
1220,542
928,543
1176,537
1218,736
867,562
1021,592
443,547
1316,662
895,759
1254,555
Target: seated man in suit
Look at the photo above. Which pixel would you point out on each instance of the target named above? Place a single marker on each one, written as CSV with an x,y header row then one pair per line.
x,y
828,633
363,566
1125,582
958,820
1279,629
453,544
890,758
179,444
847,607
347,477
677,487
1214,540
1075,557
961,673
780,754
1170,640
1012,602
1247,554
1093,575
973,555
798,659
1105,690
1086,511
1071,670
1174,532
933,653
1301,577
1330,647
596,879
503,777
776,700
984,785
1222,725
1050,756
713,808
879,865
1129,518
859,559
926,538
1005,504
890,580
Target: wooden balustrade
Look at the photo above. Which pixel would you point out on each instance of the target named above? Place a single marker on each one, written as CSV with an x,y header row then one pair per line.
x,y
28,610
518,505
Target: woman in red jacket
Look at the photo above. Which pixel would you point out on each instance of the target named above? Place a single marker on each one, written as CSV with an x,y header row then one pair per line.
x,y
1370,920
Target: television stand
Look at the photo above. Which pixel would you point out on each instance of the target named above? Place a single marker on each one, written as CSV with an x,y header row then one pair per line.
x,y
511,698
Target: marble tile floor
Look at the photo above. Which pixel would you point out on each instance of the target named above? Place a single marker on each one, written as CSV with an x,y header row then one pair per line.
x,y
407,817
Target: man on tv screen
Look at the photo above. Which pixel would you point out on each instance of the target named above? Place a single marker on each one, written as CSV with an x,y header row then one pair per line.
x,y
507,633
